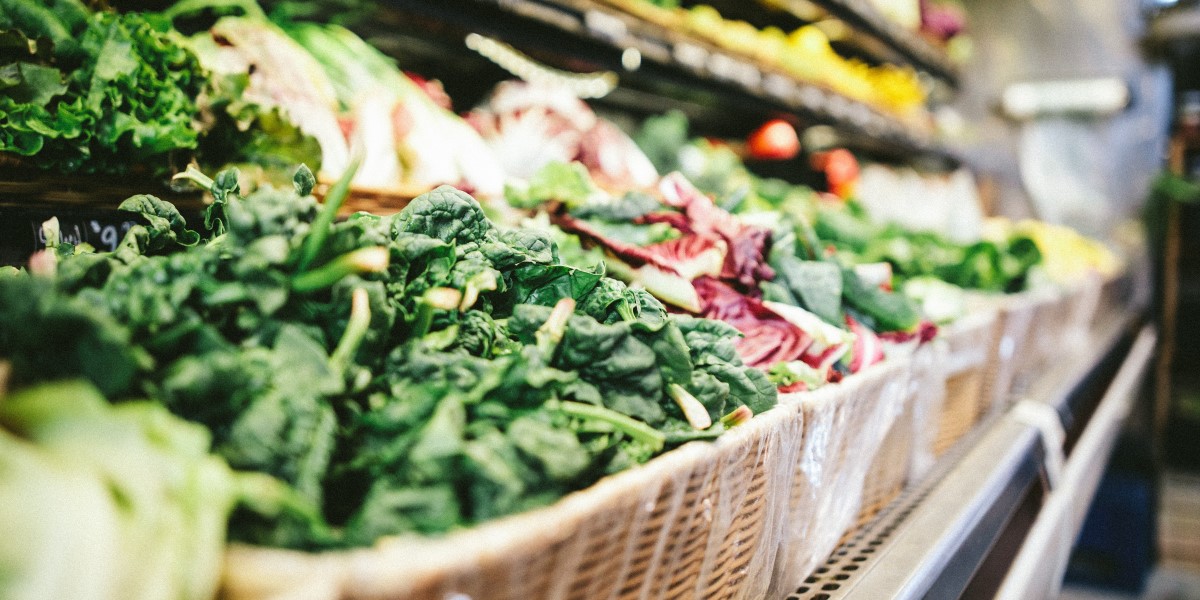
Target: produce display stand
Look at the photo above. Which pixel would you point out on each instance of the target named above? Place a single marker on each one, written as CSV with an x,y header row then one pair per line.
x,y
973,358
835,493
950,471
748,516
1000,511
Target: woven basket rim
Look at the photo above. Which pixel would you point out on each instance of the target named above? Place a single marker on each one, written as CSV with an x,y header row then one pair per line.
x,y
464,548
404,562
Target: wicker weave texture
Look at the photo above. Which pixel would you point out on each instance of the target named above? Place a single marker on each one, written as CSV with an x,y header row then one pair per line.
x,y
702,521
968,347
845,426
1016,319
746,517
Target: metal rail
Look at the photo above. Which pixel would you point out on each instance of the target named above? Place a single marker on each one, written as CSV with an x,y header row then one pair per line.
x,y
990,500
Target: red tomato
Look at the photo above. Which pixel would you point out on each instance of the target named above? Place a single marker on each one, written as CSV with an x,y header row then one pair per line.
x,y
840,168
775,140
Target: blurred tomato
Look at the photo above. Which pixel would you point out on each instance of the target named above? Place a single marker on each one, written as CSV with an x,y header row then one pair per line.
x,y
775,140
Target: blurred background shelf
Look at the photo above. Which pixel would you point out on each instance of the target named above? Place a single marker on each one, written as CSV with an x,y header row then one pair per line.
x,y
722,93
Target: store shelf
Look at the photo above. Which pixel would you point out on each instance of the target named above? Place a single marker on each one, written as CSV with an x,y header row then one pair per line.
x,y
585,34
1175,26
863,16
1038,569
997,510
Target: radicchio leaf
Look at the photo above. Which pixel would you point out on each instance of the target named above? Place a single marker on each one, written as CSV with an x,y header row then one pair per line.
x,y
768,339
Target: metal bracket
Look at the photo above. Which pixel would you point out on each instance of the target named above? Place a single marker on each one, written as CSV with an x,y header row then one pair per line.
x,y
1045,419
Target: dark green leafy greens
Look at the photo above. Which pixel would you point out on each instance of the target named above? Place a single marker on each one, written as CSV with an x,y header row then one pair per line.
x,y
411,373
989,265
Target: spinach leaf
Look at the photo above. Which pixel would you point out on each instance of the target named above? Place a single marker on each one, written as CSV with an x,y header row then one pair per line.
x,y
882,310
446,214
813,285
166,226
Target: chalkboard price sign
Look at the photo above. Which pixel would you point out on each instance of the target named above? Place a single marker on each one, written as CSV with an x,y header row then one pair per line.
x,y
103,228
101,235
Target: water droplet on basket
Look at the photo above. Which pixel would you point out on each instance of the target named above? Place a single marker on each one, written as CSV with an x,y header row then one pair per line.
x,y
708,509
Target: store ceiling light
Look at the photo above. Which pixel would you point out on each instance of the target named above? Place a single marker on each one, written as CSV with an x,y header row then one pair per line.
x,y
1098,97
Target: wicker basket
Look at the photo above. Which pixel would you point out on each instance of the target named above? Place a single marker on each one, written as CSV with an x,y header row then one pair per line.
x,y
1062,318
905,453
1085,308
1051,308
760,507
1014,322
969,347
927,388
888,473
844,427
701,521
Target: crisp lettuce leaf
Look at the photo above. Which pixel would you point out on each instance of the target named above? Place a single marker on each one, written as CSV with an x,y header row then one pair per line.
x,y
130,102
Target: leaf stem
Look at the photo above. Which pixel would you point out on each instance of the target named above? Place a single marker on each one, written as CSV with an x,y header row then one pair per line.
x,y
320,227
697,416
737,416
197,178
442,298
551,332
373,259
628,425
356,329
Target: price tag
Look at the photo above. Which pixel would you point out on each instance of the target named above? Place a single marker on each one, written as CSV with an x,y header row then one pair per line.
x,y
605,25
812,98
779,86
101,235
691,55
21,229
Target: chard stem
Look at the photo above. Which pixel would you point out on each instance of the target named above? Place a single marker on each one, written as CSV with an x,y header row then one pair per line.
x,y
551,332
697,416
483,282
433,299
737,417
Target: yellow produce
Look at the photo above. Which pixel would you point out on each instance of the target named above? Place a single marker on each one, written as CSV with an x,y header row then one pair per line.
x,y
1067,255
807,55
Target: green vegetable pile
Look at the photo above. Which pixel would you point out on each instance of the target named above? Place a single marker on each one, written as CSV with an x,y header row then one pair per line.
x,y
412,373
93,92
988,265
